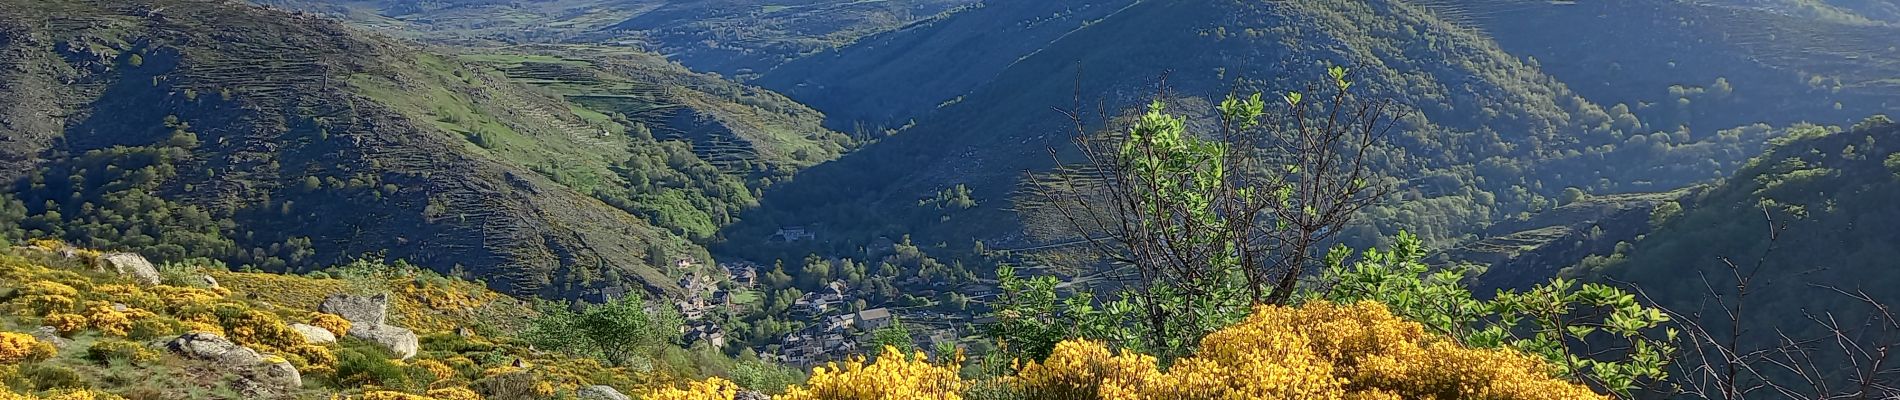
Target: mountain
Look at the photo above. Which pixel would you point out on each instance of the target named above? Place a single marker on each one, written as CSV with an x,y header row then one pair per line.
x,y
940,60
1492,137
732,37
183,129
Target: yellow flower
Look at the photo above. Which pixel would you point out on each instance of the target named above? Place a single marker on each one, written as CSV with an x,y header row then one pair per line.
x,y
84,395
331,322
713,388
19,347
66,324
894,375
454,393
108,320
1316,351
437,368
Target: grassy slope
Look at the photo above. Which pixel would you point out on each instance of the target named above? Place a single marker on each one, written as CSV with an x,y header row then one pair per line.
x,y
276,100
434,306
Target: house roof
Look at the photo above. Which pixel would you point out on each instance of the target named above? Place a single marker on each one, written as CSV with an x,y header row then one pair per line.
x,y
874,314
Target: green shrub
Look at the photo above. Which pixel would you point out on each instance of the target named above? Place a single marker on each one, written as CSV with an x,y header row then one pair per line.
x,y
43,377
108,350
765,377
358,366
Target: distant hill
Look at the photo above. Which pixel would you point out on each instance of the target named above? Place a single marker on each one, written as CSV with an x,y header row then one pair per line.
x,y
1705,64
731,37
1493,138
182,129
1833,190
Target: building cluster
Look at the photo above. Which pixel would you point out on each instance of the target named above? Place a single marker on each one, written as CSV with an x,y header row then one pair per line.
x,y
704,296
836,331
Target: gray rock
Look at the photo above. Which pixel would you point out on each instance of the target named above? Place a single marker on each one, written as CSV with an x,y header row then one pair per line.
x,y
751,395
280,374
257,372
50,335
132,266
209,281
368,311
313,334
601,392
211,347
401,341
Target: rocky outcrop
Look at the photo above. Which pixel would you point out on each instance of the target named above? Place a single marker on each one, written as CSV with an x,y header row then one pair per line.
x,y
360,310
368,316
132,266
401,341
601,392
751,395
50,335
313,334
257,373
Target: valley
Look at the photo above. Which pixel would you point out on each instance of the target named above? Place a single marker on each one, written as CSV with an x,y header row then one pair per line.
x,y
802,182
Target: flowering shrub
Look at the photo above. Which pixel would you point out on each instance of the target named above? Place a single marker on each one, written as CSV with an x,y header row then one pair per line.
x,y
454,393
66,324
437,369
1319,350
894,375
386,395
714,388
45,297
111,321
448,393
312,359
331,322
19,347
83,395
260,329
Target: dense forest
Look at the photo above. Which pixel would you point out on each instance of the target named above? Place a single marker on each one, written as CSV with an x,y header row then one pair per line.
x,y
985,199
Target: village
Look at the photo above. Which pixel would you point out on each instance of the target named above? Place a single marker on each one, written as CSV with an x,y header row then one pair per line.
x,y
833,326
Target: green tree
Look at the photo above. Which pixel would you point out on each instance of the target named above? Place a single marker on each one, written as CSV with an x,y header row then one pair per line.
x,y
617,332
1215,222
895,335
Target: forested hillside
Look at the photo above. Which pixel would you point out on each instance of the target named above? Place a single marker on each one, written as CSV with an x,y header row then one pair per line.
x,y
1812,216
201,129
1492,137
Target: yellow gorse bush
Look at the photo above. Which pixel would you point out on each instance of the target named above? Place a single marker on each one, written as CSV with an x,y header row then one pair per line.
x,y
1315,351
19,347
66,324
714,388
331,322
437,369
454,393
449,393
894,375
